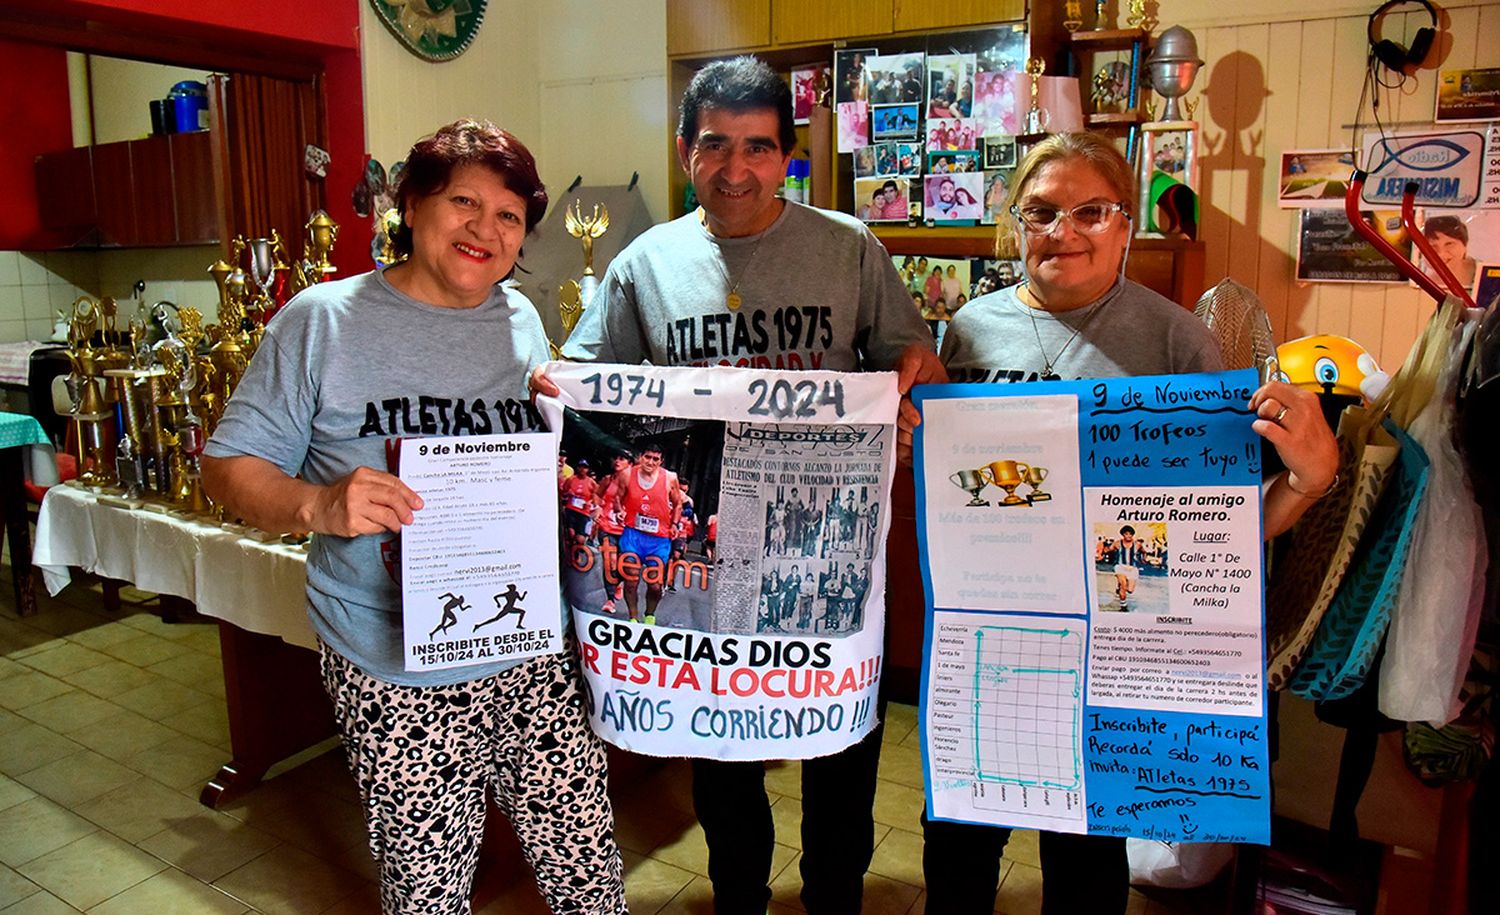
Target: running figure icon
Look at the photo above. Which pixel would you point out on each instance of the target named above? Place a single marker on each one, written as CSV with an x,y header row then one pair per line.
x,y
451,602
509,597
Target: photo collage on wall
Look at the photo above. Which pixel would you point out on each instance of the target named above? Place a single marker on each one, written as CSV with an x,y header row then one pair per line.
x,y
932,136
940,286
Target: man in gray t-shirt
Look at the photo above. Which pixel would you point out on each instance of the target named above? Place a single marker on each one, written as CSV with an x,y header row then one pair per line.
x,y
752,280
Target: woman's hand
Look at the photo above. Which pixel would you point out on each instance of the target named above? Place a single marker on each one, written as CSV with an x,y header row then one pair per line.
x,y
1291,419
364,502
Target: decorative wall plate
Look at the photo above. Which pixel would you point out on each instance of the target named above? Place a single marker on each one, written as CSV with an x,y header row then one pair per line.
x,y
434,30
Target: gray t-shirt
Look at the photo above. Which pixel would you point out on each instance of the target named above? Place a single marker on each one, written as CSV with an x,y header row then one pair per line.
x,y
1130,331
819,291
346,370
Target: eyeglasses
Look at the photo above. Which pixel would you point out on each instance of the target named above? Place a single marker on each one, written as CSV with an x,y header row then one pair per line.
x,y
1088,218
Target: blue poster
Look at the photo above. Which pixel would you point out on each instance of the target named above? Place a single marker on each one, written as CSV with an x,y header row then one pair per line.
x,y
1094,653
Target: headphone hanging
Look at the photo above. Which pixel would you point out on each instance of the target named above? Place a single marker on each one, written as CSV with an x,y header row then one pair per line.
x,y
1394,55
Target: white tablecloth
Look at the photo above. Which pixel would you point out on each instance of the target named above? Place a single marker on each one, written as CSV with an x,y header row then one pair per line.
x,y
261,587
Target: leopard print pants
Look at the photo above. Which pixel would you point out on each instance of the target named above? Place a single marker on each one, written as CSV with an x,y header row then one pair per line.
x,y
425,758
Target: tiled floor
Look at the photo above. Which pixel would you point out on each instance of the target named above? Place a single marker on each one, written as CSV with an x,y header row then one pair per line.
x,y
110,724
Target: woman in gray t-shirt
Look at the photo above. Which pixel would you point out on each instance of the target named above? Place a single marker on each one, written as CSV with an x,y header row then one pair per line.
x,y
1076,316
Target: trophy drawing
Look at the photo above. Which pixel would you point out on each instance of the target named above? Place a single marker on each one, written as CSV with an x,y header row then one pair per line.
x,y
1036,119
1034,476
1008,475
970,481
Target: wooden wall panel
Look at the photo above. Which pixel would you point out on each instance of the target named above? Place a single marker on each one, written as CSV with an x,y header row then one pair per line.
x,y
1275,269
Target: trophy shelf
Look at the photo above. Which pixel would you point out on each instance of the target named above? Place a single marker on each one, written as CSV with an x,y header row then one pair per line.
x,y
1115,119
1107,39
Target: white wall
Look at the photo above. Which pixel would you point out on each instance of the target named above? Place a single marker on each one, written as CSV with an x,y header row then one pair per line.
x,y
34,287
123,90
582,84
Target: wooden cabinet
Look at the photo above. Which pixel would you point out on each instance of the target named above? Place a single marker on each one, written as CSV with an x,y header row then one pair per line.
x,y
65,189
798,21
154,192
702,26
911,15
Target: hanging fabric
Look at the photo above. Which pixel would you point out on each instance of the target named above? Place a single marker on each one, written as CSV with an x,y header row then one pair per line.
x,y
1436,614
1324,542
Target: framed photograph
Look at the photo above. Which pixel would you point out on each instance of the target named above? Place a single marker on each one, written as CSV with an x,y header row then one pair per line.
x,y
999,151
950,133
990,275
1329,251
953,162
894,78
996,188
1314,178
853,125
1463,239
806,82
908,158
1468,95
877,159
954,198
1000,101
882,199
849,75
950,85
894,122
1168,156
936,278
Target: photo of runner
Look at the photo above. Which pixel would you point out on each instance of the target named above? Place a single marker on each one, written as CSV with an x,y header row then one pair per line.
x,y
1130,567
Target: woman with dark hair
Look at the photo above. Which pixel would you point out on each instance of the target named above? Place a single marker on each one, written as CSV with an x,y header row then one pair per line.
x,y
437,344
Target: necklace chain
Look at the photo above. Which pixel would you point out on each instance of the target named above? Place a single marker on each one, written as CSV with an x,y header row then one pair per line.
x,y
733,300
1048,364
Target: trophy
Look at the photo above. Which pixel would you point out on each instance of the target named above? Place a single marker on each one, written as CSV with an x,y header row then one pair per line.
x,y
1034,476
1139,18
1100,24
1172,67
1008,475
1072,15
1036,119
321,232
573,294
971,481
93,420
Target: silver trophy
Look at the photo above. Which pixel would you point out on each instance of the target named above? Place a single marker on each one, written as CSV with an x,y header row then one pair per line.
x,y
262,270
1172,67
970,481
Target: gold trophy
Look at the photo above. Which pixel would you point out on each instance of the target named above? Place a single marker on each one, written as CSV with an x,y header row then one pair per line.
x,y
1072,15
1139,18
1034,476
322,232
1100,23
970,481
573,294
1008,475
1036,119
91,414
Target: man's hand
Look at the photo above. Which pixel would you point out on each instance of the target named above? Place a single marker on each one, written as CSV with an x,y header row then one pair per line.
x,y
364,502
916,365
538,383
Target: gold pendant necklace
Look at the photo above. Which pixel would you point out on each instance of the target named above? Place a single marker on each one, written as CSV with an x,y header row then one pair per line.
x,y
732,300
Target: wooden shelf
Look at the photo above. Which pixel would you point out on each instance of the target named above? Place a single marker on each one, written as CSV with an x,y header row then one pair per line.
x,y
1106,39
1116,119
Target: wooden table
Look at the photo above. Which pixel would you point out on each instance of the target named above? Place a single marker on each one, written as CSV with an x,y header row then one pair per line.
x,y
257,592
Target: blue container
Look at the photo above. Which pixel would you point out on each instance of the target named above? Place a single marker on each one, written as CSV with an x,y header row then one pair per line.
x,y
189,105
